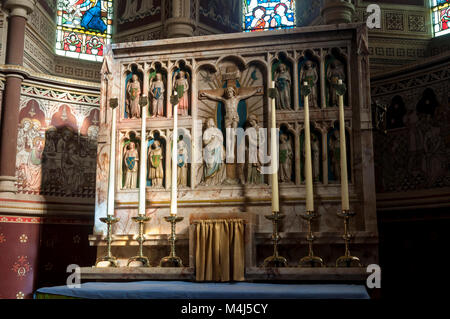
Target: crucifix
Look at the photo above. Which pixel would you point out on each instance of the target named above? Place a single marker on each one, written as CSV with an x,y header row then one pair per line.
x,y
230,97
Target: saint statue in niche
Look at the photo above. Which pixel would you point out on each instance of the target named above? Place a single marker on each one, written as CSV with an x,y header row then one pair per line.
x,y
183,102
131,160
156,172
182,164
214,172
254,175
335,155
335,73
157,90
286,156
282,80
315,157
309,74
133,94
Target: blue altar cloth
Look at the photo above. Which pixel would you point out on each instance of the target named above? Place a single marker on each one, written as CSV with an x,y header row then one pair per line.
x,y
194,290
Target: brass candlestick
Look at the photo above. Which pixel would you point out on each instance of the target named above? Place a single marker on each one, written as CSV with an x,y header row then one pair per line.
x,y
275,260
109,257
172,260
347,260
140,257
310,260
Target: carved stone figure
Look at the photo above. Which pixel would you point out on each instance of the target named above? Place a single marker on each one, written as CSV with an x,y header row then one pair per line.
x,y
131,160
335,155
309,74
156,171
286,156
283,81
182,165
254,175
315,157
157,90
183,103
335,73
231,100
214,172
133,94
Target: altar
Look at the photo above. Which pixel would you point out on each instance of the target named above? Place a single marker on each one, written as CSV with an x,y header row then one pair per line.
x,y
157,189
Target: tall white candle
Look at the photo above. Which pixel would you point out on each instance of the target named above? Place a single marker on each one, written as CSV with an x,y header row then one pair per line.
x,y
273,152
308,164
173,196
112,164
143,162
343,151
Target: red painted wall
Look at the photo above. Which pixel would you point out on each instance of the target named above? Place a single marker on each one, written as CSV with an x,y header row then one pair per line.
x,y
35,252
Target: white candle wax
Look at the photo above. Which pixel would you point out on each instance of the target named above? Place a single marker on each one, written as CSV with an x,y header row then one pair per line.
x,y
173,197
112,164
308,164
343,158
273,152
143,162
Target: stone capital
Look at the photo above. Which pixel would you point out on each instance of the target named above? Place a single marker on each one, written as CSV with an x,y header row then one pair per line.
x,y
20,8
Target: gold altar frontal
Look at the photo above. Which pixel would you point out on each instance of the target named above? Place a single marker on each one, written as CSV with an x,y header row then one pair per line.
x,y
225,81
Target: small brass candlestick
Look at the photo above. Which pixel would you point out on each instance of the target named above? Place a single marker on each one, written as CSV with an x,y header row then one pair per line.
x,y
275,260
109,257
140,257
310,260
347,260
172,260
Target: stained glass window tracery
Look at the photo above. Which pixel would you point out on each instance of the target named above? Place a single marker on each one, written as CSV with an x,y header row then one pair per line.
x,y
260,15
84,27
440,10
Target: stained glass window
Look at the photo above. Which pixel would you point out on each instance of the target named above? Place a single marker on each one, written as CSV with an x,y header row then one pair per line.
x,y
260,15
84,27
441,16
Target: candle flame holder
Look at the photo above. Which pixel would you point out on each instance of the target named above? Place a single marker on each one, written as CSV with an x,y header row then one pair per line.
x,y
311,260
275,260
140,257
347,260
109,257
172,260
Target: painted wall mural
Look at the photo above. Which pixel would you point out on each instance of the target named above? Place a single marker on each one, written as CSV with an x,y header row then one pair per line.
x,y
57,147
415,152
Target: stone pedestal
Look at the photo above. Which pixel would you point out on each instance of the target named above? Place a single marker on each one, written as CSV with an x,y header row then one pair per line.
x,y
337,11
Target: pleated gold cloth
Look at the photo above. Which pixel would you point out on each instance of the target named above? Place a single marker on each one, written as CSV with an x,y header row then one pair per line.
x,y
219,250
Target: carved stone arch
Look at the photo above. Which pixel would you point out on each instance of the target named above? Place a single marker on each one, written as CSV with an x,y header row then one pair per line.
x,y
207,66
236,59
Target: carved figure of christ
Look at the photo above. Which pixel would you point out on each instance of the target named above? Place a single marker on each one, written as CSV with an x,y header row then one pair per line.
x,y
230,98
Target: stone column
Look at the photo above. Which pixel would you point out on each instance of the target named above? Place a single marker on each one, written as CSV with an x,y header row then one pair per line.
x,y
337,11
19,11
180,23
